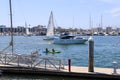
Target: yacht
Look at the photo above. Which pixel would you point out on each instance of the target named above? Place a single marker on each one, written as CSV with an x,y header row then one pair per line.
x,y
69,39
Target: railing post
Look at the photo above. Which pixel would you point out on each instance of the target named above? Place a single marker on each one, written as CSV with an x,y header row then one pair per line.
x,y
18,56
5,58
59,64
45,63
69,65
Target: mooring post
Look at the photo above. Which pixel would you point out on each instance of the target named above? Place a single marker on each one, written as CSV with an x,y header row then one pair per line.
x,y
114,68
91,55
69,65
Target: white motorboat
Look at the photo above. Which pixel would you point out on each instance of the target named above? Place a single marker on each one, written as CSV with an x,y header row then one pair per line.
x,y
69,39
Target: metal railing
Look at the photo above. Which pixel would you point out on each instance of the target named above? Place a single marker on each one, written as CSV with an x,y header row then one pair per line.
x,y
33,60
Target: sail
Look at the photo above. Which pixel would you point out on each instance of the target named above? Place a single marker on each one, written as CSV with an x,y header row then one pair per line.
x,y
27,30
50,27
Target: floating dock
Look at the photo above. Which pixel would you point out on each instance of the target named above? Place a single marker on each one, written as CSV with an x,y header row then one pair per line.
x,y
77,72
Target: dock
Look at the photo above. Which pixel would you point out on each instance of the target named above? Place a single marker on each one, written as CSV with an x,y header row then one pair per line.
x,y
76,71
36,64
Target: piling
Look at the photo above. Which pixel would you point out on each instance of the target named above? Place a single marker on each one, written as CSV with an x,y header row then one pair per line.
x,y
91,55
114,68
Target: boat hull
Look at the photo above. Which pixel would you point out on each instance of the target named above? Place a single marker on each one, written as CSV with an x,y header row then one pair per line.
x,y
69,41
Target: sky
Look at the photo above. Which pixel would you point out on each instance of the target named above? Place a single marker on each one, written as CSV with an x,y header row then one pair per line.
x,y
66,13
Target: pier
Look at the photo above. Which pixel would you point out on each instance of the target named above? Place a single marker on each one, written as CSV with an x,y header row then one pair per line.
x,y
36,64
76,71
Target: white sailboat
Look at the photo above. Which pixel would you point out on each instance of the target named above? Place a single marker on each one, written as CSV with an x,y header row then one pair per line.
x,y
50,28
27,30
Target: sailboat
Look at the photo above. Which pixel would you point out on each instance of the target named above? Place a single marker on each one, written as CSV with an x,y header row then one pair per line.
x,y
27,30
50,28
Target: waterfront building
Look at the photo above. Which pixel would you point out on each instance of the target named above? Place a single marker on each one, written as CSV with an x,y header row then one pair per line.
x,y
40,30
108,30
118,31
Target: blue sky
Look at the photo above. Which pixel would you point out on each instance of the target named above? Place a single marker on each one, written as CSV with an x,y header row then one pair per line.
x,y
67,13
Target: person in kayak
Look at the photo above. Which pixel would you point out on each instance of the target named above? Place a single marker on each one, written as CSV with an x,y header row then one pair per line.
x,y
53,50
47,50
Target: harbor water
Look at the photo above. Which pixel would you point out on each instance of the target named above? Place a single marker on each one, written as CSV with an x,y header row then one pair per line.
x,y
106,50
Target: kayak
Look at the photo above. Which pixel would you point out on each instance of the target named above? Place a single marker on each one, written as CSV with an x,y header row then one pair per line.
x,y
52,52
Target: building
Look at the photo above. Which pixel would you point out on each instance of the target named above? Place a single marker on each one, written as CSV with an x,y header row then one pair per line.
x,y
108,30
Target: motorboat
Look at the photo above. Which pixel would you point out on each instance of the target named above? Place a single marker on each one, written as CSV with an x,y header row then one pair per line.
x,y
69,39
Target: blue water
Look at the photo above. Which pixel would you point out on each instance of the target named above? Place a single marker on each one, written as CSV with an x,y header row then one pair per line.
x,y
106,49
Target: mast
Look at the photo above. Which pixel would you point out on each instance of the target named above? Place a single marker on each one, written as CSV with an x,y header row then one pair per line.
x,y
11,30
73,23
101,21
11,42
89,20
90,25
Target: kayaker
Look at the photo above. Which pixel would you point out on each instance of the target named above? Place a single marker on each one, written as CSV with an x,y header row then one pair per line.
x,y
53,50
47,50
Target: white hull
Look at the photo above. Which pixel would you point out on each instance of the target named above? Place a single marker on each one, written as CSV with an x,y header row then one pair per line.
x,y
69,41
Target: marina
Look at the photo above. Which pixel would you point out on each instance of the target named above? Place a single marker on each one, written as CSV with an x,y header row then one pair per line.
x,y
14,60
78,53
